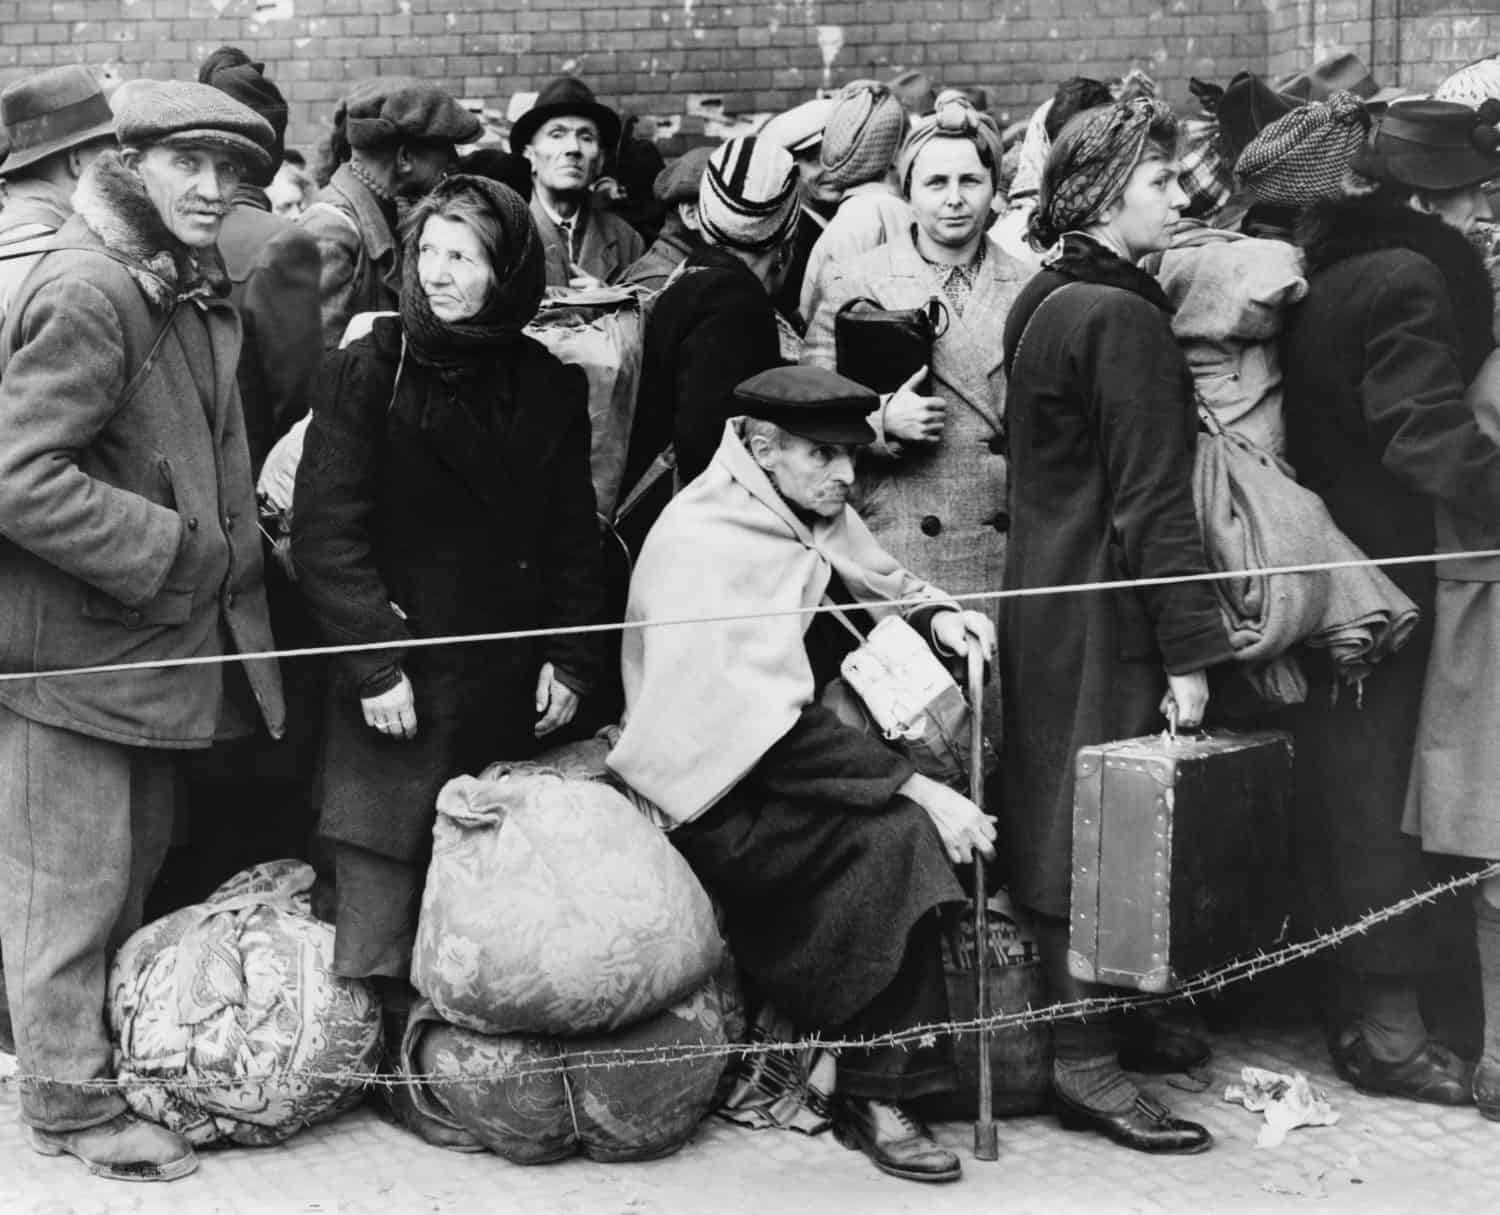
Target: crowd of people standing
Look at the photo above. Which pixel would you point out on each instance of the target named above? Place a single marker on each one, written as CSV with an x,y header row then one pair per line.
x,y
176,304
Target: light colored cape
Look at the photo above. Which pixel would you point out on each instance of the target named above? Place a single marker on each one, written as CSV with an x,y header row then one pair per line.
x,y
704,702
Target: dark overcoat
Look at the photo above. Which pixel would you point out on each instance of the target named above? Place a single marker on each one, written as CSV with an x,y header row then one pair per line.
x,y
421,511
1103,429
1375,363
126,501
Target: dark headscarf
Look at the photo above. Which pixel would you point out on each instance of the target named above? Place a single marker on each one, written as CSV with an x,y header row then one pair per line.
x,y
232,71
463,347
1092,161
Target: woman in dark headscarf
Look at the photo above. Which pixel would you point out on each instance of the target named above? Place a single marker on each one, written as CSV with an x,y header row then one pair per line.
x,y
1102,426
444,489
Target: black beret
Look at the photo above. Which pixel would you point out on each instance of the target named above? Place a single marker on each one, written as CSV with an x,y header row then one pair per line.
x,y
812,402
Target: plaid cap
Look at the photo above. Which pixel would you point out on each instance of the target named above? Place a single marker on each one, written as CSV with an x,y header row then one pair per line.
x,y
1206,178
1302,157
182,112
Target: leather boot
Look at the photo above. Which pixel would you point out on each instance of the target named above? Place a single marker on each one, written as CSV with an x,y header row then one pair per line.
x,y
125,1148
1434,1074
1147,1126
895,1141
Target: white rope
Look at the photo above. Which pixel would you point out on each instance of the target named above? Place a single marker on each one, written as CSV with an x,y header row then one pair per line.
x,y
1031,592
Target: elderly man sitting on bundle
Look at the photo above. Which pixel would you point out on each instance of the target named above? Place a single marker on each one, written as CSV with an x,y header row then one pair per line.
x,y
828,853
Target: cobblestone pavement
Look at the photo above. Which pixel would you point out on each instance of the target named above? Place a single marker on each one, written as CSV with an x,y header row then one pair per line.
x,y
1384,1156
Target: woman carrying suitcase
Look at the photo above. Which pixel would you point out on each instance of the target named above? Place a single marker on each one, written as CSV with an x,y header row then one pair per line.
x,y
1102,423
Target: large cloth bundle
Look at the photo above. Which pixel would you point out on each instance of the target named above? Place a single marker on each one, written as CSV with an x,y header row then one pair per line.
x,y
602,331
229,1025
553,906
632,1094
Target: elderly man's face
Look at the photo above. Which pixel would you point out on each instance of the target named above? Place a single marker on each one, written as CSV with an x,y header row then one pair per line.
x,y
814,477
192,188
565,154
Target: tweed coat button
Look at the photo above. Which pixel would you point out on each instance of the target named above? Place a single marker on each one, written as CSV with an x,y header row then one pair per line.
x,y
1001,521
996,444
192,523
931,525
133,618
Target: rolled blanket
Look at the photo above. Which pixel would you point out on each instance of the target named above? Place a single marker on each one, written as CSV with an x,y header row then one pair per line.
x,y
1255,516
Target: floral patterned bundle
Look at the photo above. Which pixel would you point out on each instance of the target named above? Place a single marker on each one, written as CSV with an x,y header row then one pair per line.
x,y
228,1023
554,907
632,1094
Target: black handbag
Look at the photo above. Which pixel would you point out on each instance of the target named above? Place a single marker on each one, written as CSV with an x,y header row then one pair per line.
x,y
882,348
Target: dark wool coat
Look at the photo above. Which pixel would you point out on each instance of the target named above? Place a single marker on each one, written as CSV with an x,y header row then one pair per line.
x,y
822,869
1375,363
430,514
1103,429
359,255
273,270
128,517
608,244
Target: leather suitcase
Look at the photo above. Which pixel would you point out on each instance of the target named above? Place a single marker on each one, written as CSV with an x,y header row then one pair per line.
x,y
1179,855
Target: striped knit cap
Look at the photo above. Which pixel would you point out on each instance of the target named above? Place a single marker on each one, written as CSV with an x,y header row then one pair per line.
x,y
863,132
1301,158
748,197
1472,85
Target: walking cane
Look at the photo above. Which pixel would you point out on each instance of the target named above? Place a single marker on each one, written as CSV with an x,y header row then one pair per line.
x,y
986,1141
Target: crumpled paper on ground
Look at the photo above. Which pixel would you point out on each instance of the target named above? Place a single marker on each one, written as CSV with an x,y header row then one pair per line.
x,y
1286,1101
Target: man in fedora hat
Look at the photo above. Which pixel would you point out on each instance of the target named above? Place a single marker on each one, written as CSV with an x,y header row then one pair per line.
x,y
566,136
129,535
396,138
55,123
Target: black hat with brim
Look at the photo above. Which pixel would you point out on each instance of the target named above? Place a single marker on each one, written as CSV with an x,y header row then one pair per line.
x,y
1431,145
566,96
810,402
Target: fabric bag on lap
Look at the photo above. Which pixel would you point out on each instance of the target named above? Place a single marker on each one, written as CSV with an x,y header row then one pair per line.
x,y
553,906
229,1026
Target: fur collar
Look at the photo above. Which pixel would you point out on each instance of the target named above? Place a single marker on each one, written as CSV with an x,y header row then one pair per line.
x,y
1336,231
112,201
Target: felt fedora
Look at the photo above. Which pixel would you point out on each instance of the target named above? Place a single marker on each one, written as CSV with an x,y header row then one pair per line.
x,y
567,95
51,112
1342,73
1433,145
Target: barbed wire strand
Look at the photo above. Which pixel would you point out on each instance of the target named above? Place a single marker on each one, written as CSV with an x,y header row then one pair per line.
x,y
568,1061
619,626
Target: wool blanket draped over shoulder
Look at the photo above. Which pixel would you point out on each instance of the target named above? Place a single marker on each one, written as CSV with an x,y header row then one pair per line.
x,y
705,701
1255,516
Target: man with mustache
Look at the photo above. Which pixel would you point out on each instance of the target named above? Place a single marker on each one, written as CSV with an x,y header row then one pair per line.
x,y
828,853
566,136
394,138
128,519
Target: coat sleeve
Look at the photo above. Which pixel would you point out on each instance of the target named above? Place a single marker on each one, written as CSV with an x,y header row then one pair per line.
x,y
1413,396
731,340
339,245
572,561
282,320
333,517
1147,426
58,393
820,759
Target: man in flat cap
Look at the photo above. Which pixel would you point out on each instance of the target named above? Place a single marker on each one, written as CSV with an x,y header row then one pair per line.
x,y
566,136
399,136
827,851
55,122
681,233
129,537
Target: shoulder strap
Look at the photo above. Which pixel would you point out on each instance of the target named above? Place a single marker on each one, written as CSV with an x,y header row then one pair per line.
x,y
1031,320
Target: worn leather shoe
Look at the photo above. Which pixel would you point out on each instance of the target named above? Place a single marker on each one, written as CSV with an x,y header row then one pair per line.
x,y
1434,1074
1147,1126
1150,1044
895,1141
125,1148
1487,1089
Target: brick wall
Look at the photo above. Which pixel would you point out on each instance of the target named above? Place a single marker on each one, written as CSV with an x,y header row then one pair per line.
x,y
750,56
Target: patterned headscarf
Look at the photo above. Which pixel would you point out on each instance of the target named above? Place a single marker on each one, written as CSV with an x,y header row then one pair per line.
x,y
1302,157
520,280
1091,162
953,117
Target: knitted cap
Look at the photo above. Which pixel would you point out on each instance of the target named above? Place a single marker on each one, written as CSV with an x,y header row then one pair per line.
x,y
1301,158
232,71
179,112
748,197
862,135
1472,85
384,112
